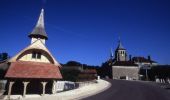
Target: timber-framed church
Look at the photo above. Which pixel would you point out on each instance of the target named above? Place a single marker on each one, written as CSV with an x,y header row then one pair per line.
x,y
33,69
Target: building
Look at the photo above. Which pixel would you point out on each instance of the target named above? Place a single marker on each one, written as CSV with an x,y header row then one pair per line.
x,y
33,69
128,68
125,70
142,61
122,68
120,53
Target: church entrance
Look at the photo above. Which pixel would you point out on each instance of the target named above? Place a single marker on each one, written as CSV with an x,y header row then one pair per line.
x,y
34,87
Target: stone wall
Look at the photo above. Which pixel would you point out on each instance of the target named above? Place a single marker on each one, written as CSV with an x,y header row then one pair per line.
x,y
125,71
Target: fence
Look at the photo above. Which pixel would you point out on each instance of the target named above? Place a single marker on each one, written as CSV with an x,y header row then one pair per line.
x,y
65,85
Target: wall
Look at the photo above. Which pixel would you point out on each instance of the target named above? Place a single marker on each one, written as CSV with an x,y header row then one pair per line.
x,y
121,71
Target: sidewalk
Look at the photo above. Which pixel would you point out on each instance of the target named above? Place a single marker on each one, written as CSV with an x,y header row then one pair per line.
x,y
75,94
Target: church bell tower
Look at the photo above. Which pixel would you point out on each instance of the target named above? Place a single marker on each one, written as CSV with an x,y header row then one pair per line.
x,y
120,53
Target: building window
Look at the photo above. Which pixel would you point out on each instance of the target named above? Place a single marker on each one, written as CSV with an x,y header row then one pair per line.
x,y
36,55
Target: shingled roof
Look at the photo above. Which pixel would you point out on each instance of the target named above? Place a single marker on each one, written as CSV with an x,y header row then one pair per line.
x,y
39,30
26,69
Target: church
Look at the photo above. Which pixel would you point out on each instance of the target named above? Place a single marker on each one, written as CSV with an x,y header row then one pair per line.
x,y
127,68
34,69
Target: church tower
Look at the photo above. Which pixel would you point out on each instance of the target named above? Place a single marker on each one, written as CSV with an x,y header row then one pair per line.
x,y
39,30
120,53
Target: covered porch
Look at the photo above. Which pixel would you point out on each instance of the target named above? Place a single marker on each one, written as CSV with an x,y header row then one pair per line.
x,y
31,78
31,86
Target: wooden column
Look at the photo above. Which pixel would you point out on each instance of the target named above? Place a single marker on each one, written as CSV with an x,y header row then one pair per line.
x,y
54,87
44,84
10,88
25,88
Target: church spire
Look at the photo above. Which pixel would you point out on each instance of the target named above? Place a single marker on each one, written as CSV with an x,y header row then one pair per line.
x,y
40,22
120,46
39,30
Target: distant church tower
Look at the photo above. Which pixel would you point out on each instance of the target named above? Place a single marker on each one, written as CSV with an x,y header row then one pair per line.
x,y
120,53
39,30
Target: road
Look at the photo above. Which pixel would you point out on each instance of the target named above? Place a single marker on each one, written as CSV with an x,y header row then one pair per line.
x,y
132,90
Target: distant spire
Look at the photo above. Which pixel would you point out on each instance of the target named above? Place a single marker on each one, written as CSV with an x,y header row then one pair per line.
x,y
120,46
39,30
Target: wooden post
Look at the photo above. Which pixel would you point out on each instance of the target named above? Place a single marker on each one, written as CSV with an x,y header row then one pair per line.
x,y
44,84
54,87
25,88
10,88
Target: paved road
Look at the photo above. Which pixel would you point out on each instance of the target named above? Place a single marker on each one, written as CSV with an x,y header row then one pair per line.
x,y
132,90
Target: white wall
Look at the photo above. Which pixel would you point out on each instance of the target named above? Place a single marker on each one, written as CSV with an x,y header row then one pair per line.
x,y
28,57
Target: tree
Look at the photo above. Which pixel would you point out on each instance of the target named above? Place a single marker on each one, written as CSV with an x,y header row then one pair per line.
x,y
73,63
3,56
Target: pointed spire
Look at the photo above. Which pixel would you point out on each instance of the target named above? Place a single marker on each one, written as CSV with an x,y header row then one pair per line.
x,y
40,22
39,30
120,46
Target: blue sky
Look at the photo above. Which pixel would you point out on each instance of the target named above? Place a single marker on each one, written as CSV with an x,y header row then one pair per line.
x,y
85,30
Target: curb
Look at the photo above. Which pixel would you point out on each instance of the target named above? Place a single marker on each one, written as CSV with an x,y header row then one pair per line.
x,y
91,94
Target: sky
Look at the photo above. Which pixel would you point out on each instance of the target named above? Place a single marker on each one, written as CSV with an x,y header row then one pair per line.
x,y
86,30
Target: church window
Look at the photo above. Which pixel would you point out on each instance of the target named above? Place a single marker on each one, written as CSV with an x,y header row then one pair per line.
x,y
36,55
